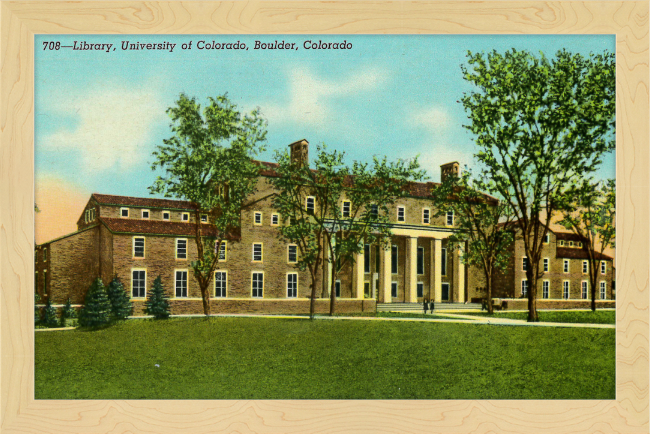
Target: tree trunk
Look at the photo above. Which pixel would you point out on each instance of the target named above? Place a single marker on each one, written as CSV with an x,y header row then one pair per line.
x,y
531,276
333,291
593,278
490,309
206,300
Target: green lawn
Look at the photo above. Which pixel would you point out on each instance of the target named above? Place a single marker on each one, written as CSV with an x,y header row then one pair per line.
x,y
588,317
261,358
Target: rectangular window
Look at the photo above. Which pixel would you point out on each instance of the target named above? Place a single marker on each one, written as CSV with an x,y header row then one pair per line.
x,y
145,213
377,259
204,218
566,265
86,216
292,254
366,258
450,218
393,259
292,285
585,287
545,265
545,288
222,250
366,289
275,219
603,267
426,216
310,205
393,289
524,288
220,283
92,214
401,214
443,262
570,243
165,215
579,245
585,267
257,218
45,282
420,289
257,252
181,248
138,247
181,283
524,264
561,243
565,290
337,288
258,285
124,212
185,217
547,239
420,260
44,254
374,211
603,290
345,209
138,283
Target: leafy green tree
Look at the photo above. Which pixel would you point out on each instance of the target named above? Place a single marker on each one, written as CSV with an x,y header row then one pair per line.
x,y
96,311
369,191
541,125
49,315
208,161
37,310
591,215
157,304
121,306
482,223
68,312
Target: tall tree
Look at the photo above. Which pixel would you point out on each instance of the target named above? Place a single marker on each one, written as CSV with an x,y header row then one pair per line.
x,y
482,224
541,125
208,161
348,208
591,215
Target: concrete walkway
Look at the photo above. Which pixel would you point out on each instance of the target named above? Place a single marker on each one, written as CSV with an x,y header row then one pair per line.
x,y
450,318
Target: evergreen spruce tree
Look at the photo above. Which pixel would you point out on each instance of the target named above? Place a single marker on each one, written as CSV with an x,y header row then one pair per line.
x,y
156,303
97,309
68,312
49,315
121,305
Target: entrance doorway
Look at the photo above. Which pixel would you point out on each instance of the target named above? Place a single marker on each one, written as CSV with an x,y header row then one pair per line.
x,y
445,292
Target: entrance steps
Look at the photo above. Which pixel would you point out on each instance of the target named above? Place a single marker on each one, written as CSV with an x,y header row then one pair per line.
x,y
417,307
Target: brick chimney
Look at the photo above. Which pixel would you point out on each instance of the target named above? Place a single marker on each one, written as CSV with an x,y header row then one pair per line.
x,y
300,152
449,169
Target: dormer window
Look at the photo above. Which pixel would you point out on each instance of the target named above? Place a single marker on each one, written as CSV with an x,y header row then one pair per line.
x,y
185,217
145,213
570,243
580,245
124,212
92,214
165,215
561,243
204,218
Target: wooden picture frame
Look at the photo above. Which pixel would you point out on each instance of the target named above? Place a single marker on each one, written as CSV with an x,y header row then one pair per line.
x,y
19,412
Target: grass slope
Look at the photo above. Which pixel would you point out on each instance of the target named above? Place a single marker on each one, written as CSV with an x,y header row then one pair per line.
x,y
259,358
586,317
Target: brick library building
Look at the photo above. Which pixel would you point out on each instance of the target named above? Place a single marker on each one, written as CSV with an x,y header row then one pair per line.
x,y
139,239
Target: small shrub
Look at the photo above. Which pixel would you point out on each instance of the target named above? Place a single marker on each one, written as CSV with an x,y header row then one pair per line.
x,y
67,313
121,306
49,315
156,303
96,311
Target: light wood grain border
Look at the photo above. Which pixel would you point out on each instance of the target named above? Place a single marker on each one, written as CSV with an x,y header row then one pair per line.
x,y
19,412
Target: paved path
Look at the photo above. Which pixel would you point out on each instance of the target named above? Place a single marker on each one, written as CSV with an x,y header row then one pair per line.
x,y
451,318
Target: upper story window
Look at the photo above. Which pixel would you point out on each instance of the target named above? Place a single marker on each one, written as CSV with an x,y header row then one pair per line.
x,y
165,215
566,265
393,259
145,213
86,213
366,258
524,264
401,214
204,218
546,265
310,204
124,212
426,216
292,254
222,249
443,262
547,239
420,264
257,252
138,247
345,209
450,218
585,267
275,219
603,267
257,218
561,243
374,211
185,217
580,245
570,243
92,214
44,254
181,248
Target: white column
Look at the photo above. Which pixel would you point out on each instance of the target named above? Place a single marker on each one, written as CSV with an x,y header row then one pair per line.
x,y
411,270
358,275
460,278
384,274
436,262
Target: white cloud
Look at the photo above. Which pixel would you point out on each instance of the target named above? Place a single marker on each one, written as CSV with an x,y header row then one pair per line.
x,y
435,119
113,126
310,96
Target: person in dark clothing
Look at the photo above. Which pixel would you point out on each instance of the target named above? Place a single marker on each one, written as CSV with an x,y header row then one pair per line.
x,y
425,304
431,306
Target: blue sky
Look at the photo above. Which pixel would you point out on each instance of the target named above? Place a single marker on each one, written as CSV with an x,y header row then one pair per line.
x,y
100,115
